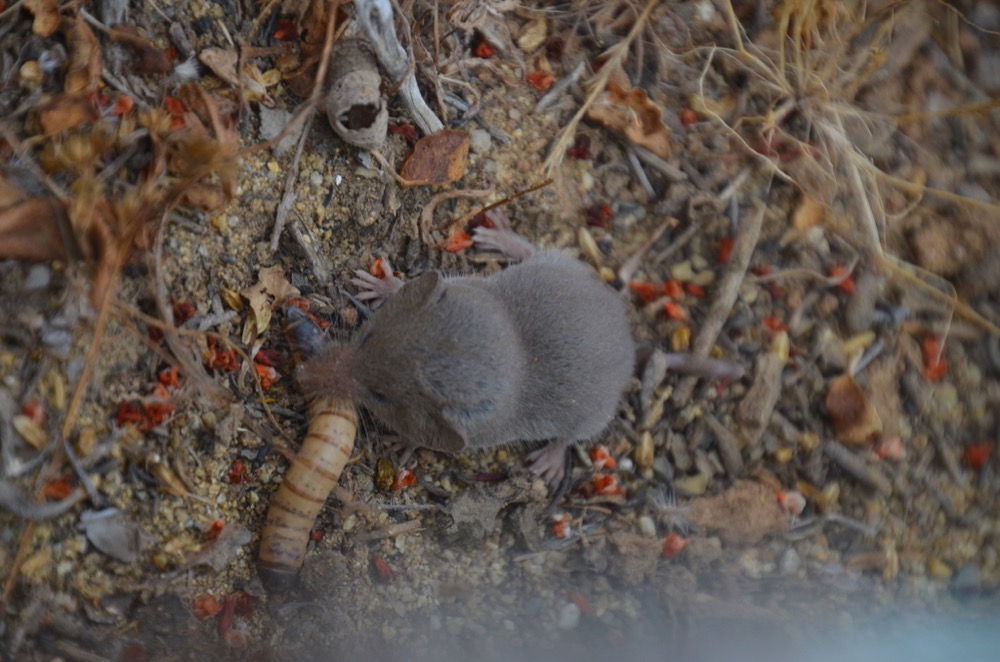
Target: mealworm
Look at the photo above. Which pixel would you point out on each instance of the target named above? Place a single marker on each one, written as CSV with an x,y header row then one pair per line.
x,y
313,473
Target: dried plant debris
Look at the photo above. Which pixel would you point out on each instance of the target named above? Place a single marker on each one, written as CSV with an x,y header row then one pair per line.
x,y
224,63
854,420
440,158
630,112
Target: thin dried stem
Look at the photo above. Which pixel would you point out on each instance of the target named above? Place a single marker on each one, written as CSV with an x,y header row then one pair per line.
x,y
288,198
616,55
728,289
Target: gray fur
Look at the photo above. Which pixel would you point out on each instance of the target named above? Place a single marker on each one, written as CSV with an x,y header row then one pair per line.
x,y
541,350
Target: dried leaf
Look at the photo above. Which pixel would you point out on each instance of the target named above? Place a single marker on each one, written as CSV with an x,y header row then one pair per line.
x,y
30,431
440,158
630,112
271,285
533,35
83,72
46,14
30,231
205,197
65,112
231,298
854,420
197,154
223,64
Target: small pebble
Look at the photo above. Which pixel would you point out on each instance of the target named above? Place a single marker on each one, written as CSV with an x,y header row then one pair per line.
x,y
479,141
569,616
315,178
753,566
790,562
682,271
38,277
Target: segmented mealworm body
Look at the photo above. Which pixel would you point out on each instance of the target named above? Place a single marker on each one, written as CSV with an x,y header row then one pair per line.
x,y
312,475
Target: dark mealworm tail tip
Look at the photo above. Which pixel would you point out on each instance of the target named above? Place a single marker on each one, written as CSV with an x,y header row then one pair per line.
x,y
276,578
304,335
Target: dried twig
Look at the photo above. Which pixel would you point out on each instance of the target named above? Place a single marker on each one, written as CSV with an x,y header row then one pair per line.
x,y
727,444
319,266
628,269
559,87
13,501
654,161
728,289
288,198
427,215
857,467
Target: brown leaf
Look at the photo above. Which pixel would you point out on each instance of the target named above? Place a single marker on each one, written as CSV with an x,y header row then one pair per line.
x,y
30,231
270,290
46,14
440,158
65,112
630,112
10,194
854,420
149,58
83,72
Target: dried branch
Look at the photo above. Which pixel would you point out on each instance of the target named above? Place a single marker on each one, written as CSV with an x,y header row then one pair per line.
x,y
375,16
729,287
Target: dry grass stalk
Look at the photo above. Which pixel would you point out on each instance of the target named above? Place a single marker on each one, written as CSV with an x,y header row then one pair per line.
x,y
616,56
827,55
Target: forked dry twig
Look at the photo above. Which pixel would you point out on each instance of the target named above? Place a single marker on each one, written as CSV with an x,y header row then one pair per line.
x,y
376,17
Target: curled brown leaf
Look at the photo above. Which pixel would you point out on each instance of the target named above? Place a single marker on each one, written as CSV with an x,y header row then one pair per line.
x,y
46,13
440,158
